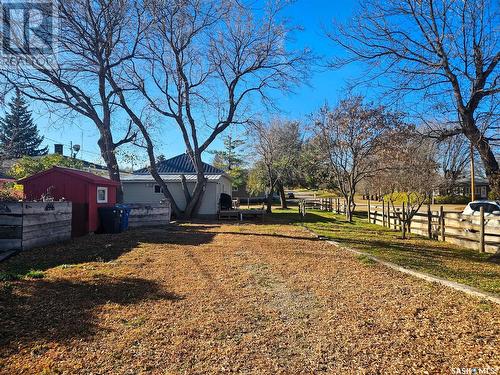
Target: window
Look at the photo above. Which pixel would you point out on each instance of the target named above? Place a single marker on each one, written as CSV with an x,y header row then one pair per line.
x,y
488,207
158,189
102,194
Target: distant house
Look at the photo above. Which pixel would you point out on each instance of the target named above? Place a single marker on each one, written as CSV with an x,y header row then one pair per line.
x,y
5,178
140,186
241,192
463,185
7,164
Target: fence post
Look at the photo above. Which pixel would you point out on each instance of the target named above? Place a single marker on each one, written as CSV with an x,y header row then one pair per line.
x,y
429,220
369,211
441,223
481,230
403,224
383,214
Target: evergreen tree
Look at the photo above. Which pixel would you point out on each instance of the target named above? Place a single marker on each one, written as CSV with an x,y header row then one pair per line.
x,y
231,161
18,134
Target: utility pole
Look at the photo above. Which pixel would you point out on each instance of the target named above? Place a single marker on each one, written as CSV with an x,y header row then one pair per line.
x,y
472,179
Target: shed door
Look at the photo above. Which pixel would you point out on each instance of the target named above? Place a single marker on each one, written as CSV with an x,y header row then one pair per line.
x,y
80,219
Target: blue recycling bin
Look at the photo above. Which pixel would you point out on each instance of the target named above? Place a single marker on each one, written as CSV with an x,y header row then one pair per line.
x,y
124,217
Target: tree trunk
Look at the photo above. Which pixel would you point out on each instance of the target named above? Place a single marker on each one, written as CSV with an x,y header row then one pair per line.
x,y
150,150
199,189
283,201
269,203
194,204
106,146
185,189
348,209
269,199
482,145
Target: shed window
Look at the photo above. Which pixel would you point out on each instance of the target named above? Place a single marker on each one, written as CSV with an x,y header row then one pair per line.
x,y
102,194
158,189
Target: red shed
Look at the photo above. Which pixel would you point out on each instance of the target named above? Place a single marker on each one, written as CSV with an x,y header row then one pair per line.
x,y
85,190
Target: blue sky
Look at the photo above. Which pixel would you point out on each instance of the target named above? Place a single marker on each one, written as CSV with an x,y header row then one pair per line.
x,y
325,85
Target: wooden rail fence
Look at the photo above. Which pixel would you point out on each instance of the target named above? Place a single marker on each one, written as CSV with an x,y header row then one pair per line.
x,y
473,232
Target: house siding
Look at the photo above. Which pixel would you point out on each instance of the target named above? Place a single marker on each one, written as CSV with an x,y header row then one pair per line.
x,y
143,192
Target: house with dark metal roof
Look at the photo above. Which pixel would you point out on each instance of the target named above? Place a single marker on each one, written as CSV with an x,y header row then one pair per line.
x,y
140,186
4,179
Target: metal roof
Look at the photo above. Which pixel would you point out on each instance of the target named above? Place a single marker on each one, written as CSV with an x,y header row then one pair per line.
x,y
90,177
477,181
167,178
3,176
180,164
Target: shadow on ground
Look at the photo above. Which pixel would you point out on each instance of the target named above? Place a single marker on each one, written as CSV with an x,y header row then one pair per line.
x,y
60,310
103,247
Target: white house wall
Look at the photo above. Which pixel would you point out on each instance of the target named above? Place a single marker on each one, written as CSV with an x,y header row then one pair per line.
x,y
143,192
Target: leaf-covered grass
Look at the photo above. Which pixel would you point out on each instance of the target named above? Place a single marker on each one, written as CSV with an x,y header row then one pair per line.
x,y
239,297
418,253
16,275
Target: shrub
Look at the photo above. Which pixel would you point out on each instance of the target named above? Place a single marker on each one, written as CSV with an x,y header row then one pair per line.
x,y
400,197
28,166
451,199
492,196
10,192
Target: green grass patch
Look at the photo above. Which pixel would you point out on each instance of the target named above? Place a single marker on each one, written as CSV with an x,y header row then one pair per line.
x,y
366,260
35,274
418,253
8,276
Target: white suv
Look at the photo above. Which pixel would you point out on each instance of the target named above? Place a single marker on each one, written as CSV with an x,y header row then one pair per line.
x,y
491,208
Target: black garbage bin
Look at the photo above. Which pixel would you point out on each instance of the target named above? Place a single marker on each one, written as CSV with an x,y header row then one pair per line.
x,y
110,218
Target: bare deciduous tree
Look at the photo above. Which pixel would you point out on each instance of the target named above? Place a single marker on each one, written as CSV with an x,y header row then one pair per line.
x,y
94,38
202,62
350,137
411,173
444,51
276,145
454,156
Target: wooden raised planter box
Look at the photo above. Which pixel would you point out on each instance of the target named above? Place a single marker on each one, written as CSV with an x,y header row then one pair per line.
x,y
30,224
147,215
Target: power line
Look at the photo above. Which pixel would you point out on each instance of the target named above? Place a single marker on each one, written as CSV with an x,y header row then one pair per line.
x,y
69,146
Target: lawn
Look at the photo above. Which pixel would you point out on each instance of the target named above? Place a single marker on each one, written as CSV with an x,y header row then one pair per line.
x,y
262,298
418,253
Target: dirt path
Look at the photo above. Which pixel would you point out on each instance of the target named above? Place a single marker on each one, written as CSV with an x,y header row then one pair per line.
x,y
233,298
